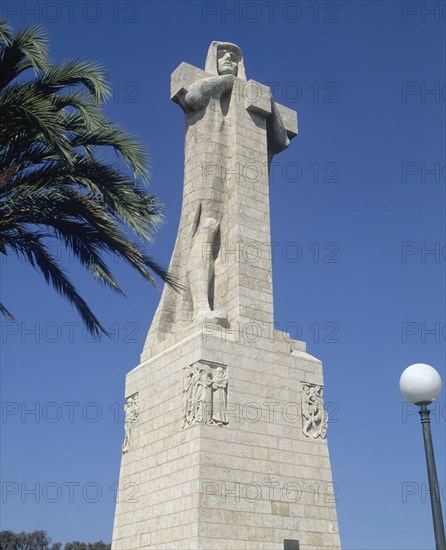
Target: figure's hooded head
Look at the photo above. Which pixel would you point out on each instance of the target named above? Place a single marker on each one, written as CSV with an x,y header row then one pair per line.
x,y
216,52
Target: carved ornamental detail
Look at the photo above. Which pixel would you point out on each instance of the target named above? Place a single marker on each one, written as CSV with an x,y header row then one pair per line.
x,y
205,394
314,417
131,410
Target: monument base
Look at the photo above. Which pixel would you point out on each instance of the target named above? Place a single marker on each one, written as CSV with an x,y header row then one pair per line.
x,y
247,474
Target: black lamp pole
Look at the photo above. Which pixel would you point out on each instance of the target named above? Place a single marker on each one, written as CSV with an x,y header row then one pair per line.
x,y
437,515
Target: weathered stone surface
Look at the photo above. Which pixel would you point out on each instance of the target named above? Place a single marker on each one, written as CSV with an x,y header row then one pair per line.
x,y
233,129
225,437
259,478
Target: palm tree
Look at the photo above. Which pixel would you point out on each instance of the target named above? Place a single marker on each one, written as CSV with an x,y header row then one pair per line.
x,y
53,185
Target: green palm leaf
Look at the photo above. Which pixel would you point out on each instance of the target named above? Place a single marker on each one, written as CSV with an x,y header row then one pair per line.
x,y
53,183
5,32
72,73
27,48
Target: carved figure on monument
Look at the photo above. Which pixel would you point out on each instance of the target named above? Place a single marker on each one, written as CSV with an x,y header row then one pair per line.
x,y
223,60
315,419
188,388
221,108
131,410
204,394
219,400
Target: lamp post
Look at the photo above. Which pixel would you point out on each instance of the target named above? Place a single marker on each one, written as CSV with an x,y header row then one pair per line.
x,y
421,384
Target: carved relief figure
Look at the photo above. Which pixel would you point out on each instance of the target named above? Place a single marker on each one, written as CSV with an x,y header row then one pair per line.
x,y
314,417
219,401
131,410
204,394
188,388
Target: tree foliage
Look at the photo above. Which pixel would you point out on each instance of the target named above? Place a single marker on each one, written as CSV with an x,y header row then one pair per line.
x,y
39,540
54,184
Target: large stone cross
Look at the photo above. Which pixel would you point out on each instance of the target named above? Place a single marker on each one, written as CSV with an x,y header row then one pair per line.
x,y
222,255
256,97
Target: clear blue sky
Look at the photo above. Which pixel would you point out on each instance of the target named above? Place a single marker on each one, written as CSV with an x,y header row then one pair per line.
x,y
355,195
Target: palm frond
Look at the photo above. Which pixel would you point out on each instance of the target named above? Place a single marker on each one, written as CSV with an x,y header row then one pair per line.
x,y
73,73
5,32
27,48
44,207
6,313
27,110
141,212
119,198
53,183
86,115
131,151
32,43
29,245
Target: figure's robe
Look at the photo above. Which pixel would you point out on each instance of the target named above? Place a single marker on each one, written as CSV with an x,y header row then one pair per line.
x,y
211,171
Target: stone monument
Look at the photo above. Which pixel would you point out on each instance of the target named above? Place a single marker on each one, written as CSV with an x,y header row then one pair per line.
x,y
225,441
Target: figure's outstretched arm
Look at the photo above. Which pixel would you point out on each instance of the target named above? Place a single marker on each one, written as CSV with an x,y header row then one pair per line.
x,y
202,90
277,135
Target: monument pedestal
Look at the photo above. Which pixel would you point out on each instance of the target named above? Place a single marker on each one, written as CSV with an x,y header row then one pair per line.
x,y
248,484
